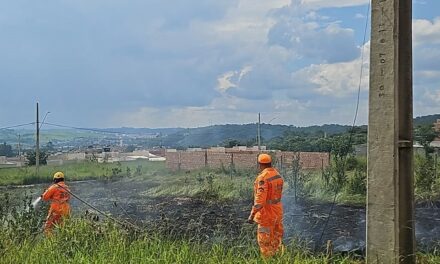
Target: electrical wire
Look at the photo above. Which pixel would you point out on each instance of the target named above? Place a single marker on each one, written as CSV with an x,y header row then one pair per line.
x,y
85,129
350,139
21,125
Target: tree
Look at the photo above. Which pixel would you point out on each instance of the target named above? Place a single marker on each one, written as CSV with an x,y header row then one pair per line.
x,y
292,178
302,141
231,143
425,134
49,147
6,150
130,148
30,156
335,176
340,150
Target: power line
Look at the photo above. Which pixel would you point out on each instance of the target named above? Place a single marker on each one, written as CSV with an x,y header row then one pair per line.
x,y
21,125
87,129
350,139
362,65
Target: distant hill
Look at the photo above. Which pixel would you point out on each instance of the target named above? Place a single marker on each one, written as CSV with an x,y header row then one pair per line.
x,y
218,134
179,137
134,130
426,120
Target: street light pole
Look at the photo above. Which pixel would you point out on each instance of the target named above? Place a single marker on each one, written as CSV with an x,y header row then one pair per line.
x,y
271,120
42,122
37,143
19,146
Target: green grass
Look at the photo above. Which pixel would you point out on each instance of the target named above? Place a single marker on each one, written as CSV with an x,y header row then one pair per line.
x,y
212,184
313,188
79,241
77,171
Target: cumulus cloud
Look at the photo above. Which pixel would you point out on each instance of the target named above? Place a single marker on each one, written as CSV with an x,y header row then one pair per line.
x,y
433,96
226,109
359,15
312,35
426,31
232,79
330,43
338,79
299,95
318,4
187,63
298,37
294,35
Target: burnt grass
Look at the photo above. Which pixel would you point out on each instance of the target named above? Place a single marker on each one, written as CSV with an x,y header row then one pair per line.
x,y
198,219
204,218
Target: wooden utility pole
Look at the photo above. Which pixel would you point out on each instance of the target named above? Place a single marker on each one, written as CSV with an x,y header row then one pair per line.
x,y
390,199
37,143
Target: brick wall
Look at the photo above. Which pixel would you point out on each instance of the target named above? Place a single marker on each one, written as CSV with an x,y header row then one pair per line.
x,y
244,160
192,160
308,160
219,159
172,160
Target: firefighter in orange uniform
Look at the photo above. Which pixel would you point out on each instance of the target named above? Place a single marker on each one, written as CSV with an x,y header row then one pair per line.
x,y
267,211
59,196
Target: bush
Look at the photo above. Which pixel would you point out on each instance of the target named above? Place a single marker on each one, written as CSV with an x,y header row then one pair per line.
x,y
352,163
357,184
19,221
426,186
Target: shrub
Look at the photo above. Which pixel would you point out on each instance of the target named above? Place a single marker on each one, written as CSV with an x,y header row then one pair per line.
x,y
357,183
425,178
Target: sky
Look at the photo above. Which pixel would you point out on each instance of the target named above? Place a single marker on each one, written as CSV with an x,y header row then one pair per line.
x,y
190,63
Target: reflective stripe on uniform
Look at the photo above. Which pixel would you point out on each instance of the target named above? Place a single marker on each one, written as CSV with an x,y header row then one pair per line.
x,y
265,230
274,178
273,201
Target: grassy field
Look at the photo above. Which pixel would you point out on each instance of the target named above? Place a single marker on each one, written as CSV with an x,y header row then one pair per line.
x,y
222,184
313,188
211,184
80,241
83,241
79,171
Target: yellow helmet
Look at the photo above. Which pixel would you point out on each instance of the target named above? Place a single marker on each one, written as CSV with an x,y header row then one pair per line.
x,y
58,175
264,158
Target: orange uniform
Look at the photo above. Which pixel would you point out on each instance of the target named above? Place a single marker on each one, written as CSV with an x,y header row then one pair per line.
x,y
59,197
268,211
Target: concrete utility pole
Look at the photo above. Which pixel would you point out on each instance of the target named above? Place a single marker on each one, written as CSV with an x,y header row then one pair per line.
x,y
259,131
390,199
37,144
19,146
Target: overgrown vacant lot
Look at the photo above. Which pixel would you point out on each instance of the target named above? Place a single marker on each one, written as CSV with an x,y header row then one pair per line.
x,y
78,171
184,217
